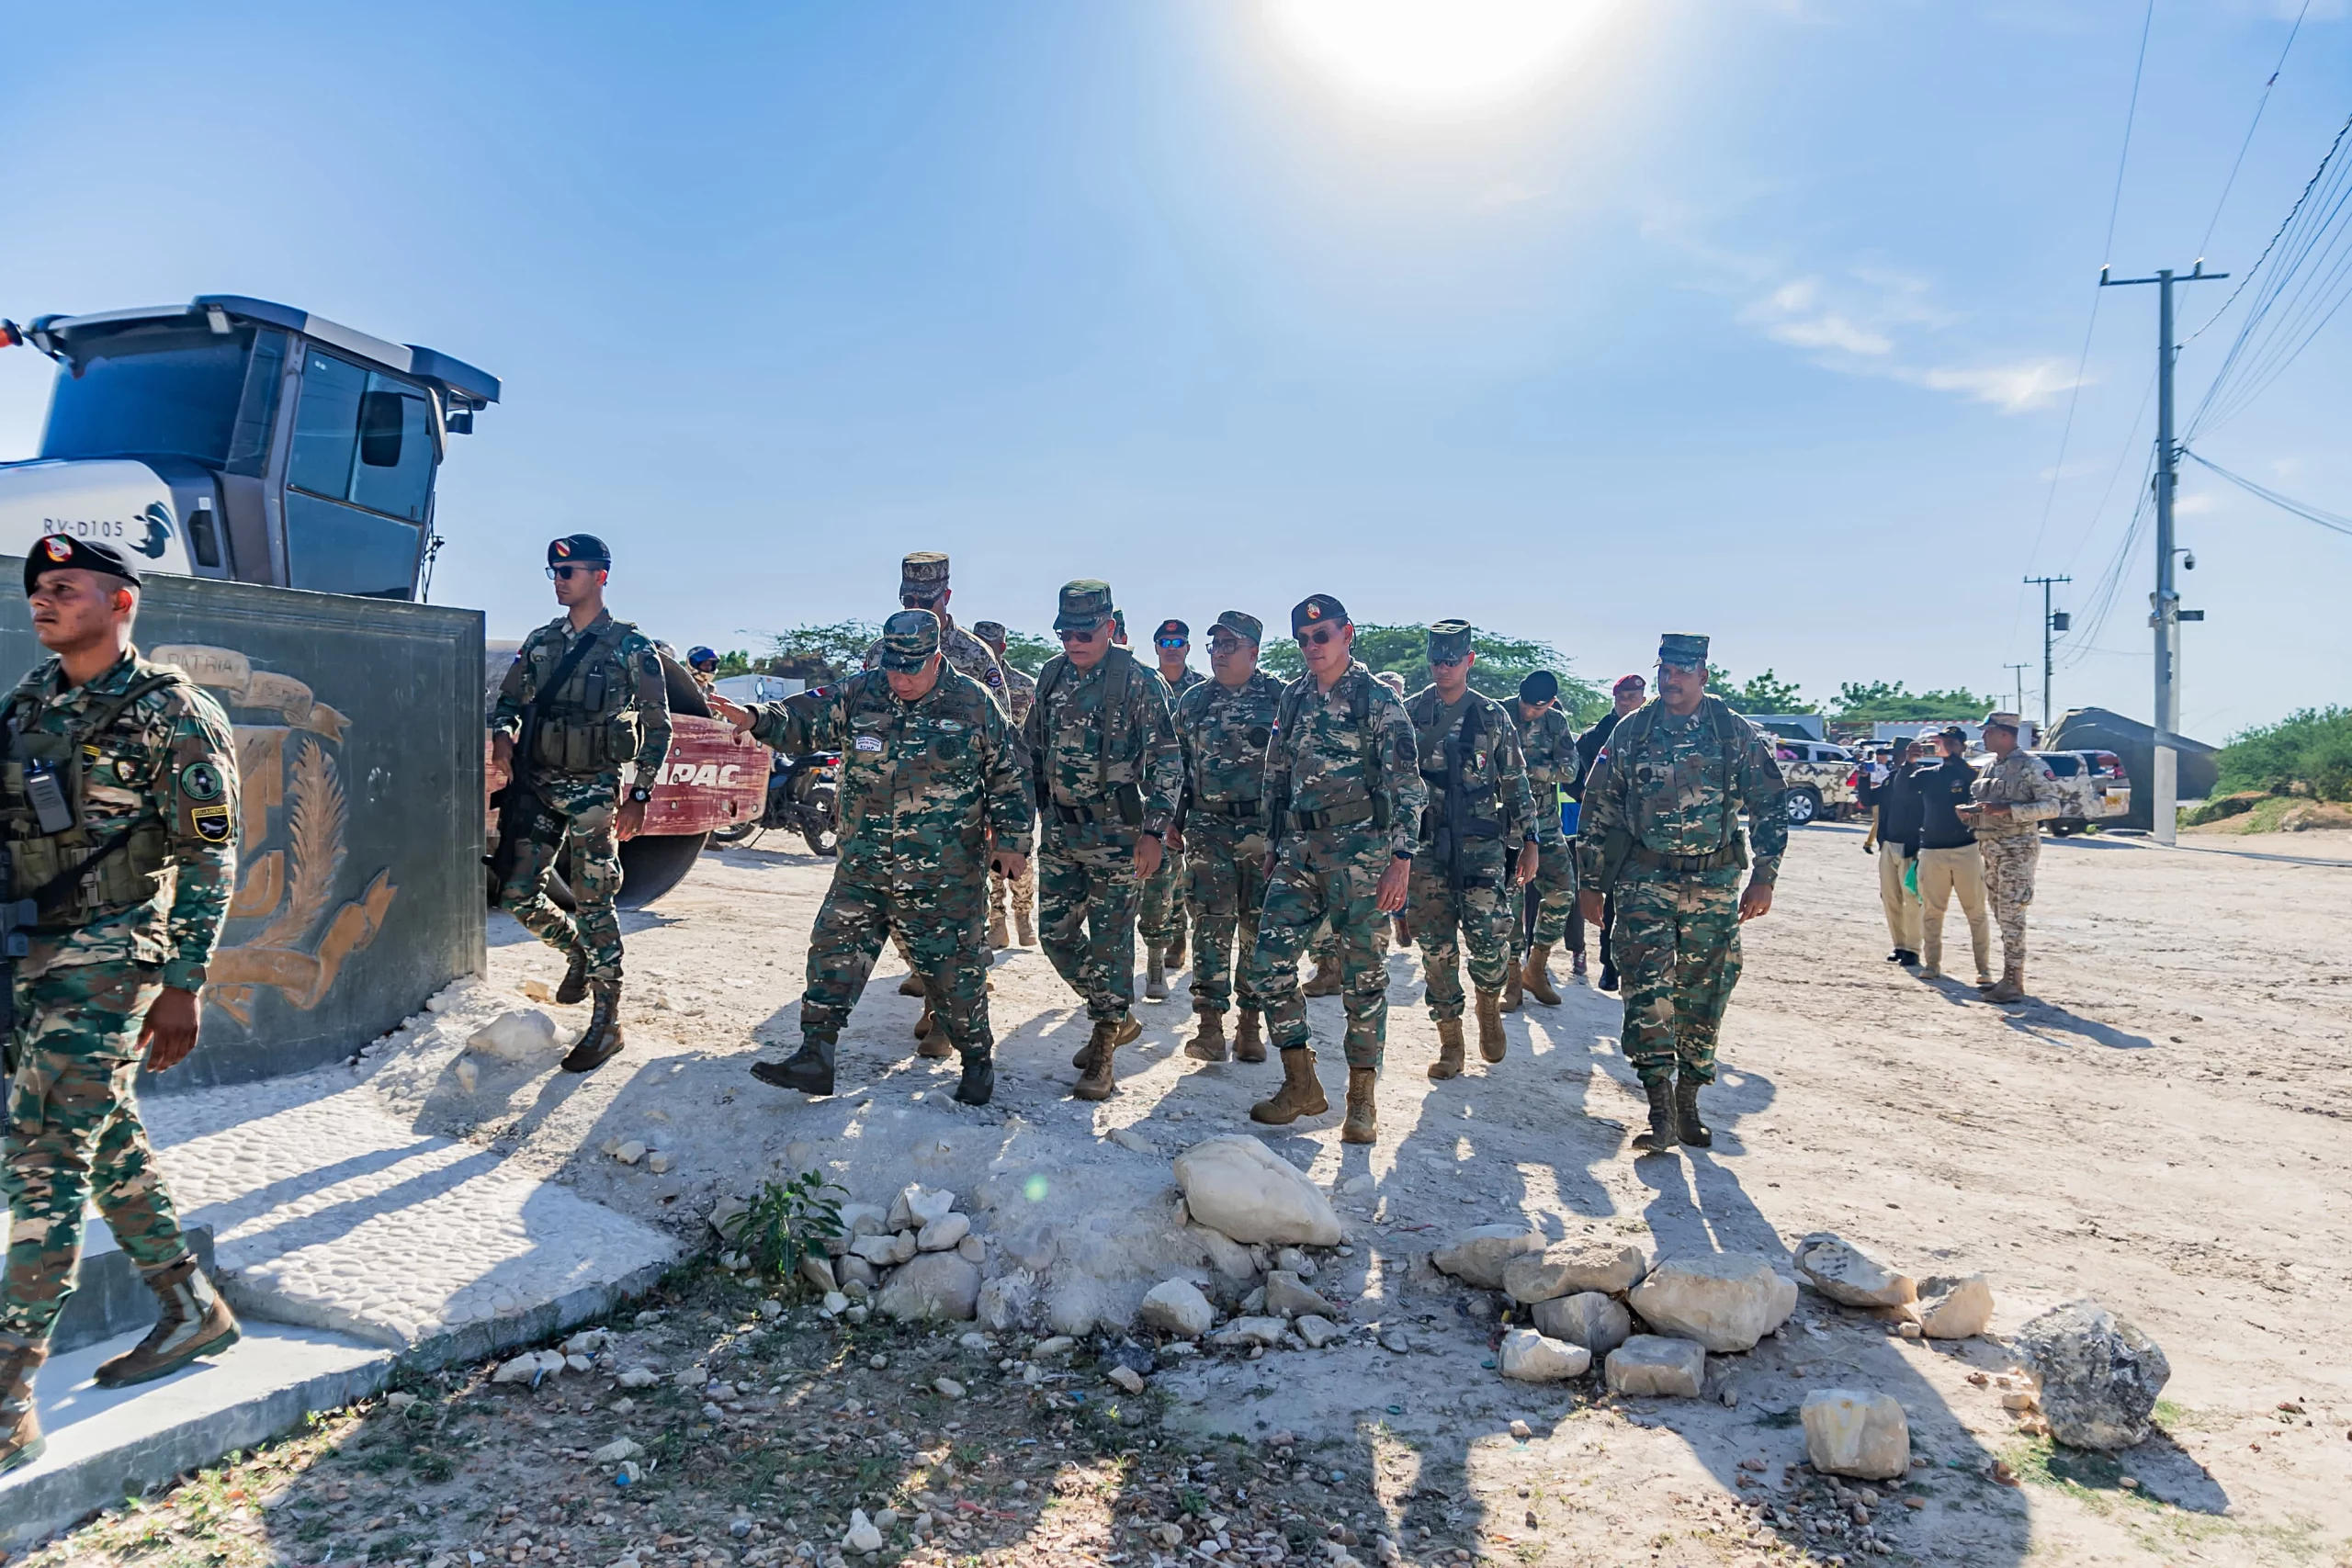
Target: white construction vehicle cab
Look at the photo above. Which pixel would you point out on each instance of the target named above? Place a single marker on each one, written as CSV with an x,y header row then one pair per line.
x,y
234,438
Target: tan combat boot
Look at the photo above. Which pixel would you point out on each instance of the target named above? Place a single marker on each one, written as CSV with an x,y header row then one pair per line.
x,y
1448,1051
912,985
999,937
1493,1043
1300,1094
195,1322
21,1439
1538,976
934,1038
1155,979
1023,927
1128,1030
2011,987
1362,1125
1248,1045
1510,997
1325,981
1208,1043
1095,1070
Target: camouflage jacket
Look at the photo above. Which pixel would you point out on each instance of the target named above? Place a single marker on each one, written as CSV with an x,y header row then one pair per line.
x,y
1663,780
1097,733
1549,743
1020,692
630,675
1223,732
2023,783
1182,684
1494,772
167,763
964,652
1342,749
924,785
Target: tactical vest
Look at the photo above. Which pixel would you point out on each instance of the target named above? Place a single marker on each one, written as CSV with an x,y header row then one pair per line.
x,y
1482,804
582,728
1369,801
1625,743
1118,789
75,870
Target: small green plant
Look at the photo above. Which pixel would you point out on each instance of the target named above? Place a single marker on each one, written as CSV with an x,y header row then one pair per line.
x,y
787,1220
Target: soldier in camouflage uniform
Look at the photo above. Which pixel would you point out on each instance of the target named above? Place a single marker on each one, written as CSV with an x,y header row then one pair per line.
x,y
121,811
1324,948
1162,920
1660,830
1107,773
1344,795
1464,875
1224,726
1541,918
1020,696
2011,800
931,778
586,694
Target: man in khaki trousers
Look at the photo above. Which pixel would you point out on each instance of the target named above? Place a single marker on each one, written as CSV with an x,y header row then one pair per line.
x,y
1896,839
1950,861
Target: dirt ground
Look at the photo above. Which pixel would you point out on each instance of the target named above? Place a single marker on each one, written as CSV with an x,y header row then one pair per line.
x,y
2164,1129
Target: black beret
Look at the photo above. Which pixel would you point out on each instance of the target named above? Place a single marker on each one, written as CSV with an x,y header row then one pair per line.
x,y
1541,687
1315,610
56,550
578,550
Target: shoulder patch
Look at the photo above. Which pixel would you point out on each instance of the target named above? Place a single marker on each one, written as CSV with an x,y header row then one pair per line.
x,y
211,823
200,781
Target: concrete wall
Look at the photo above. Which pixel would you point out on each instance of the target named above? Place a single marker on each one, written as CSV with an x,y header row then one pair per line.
x,y
360,883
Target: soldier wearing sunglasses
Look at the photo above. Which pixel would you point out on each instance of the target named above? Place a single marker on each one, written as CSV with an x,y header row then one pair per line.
x,y
1162,921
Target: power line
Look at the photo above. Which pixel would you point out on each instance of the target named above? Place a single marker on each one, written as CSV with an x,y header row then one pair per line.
x,y
2259,105
2303,510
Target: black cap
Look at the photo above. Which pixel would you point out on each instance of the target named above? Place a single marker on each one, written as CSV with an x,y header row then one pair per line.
x,y
63,550
578,550
1171,626
1541,687
1315,610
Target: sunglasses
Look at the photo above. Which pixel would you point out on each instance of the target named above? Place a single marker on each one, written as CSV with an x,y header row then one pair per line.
x,y
1171,642
1223,642
1319,636
1087,635
561,573
1446,663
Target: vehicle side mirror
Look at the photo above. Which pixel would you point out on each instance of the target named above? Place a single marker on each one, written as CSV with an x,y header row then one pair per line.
x,y
379,429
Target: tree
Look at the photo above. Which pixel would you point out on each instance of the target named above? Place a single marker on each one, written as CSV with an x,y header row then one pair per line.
x,y
736,662
1028,653
819,654
1864,702
1760,693
1501,664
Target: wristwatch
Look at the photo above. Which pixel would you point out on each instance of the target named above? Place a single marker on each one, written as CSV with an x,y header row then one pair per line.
x,y
639,794
1402,854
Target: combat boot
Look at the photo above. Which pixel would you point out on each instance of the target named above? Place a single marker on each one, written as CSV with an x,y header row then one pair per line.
x,y
912,985
1207,1045
601,1041
978,1081
2011,987
1325,981
1023,929
1127,1031
1509,998
1155,979
1493,1043
1661,1138
1175,955
1695,1132
999,937
1607,981
574,989
1248,1045
1094,1081
1448,1051
808,1069
934,1038
21,1439
1300,1094
195,1322
1538,975
1362,1125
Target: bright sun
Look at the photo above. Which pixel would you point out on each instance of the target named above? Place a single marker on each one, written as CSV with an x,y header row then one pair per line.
x,y
1438,56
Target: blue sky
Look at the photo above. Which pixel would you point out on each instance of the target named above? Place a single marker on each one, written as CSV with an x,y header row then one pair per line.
x,y
1752,319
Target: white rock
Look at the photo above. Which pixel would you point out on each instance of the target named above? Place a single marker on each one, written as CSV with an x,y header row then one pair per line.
x,y
1955,1307
578,1364
971,1250
1237,1185
515,1036
468,1075
586,1343
1848,1275
1291,1260
1566,1267
1478,1256
1244,1331
939,1235
947,1388
638,1377
1129,1139
937,1286
855,1271
1854,1431
1598,1323
881,1251
530,1366
695,1378
1126,1377
1727,1301
1318,1331
1054,1345
630,1152
862,1537
865,1219
1177,1306
399,1400
1650,1364
817,1271
616,1451
926,1205
1005,1302
1288,1298
1534,1358
1226,1256
656,1162
885,1517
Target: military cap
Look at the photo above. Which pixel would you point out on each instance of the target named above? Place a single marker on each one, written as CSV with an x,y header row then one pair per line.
x,y
1119,624
1682,648
63,550
1171,626
1248,627
909,637
1540,687
1449,641
2003,719
1315,610
1628,683
988,631
922,575
1953,732
578,550
1085,604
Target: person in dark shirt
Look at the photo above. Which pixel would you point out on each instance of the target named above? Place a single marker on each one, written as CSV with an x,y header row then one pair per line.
x,y
1950,861
1895,796
1626,695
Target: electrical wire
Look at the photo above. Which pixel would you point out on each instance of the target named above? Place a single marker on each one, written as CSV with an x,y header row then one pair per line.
x,y
2303,510
2259,105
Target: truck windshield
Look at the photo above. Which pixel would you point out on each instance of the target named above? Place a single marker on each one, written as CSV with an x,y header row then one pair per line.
x,y
168,388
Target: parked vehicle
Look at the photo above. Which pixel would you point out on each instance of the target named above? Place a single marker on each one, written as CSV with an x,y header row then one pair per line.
x,y
2094,787
800,799
1820,777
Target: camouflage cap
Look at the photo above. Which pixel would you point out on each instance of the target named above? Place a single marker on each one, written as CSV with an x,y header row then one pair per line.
x,y
1687,648
2003,719
1248,627
1085,604
1540,687
922,575
909,637
1119,624
1313,611
988,631
1449,641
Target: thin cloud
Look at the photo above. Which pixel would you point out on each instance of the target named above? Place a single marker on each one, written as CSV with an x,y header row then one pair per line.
x,y
2019,388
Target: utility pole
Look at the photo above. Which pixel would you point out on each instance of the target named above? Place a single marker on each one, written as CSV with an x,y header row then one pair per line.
x,y
2052,621
2164,604
2019,670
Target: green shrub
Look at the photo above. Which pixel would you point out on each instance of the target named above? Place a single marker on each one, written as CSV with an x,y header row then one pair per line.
x,y
788,1219
2306,752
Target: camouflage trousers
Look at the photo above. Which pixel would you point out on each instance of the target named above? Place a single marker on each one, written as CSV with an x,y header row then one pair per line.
x,y
1022,890
1677,948
940,916
75,1138
1477,918
1540,910
1086,915
1160,914
2010,863
1225,886
1332,874
576,833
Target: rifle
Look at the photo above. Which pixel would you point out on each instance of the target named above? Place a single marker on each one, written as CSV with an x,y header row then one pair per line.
x,y
16,914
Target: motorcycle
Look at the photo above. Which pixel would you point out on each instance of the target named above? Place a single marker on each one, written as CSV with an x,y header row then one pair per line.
x,y
799,800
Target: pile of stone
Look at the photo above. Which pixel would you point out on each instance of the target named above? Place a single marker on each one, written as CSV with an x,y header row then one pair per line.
x,y
1939,1307
916,1258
